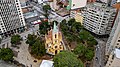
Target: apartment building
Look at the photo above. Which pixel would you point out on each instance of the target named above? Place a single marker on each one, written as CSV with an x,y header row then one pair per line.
x,y
113,45
114,38
11,17
98,18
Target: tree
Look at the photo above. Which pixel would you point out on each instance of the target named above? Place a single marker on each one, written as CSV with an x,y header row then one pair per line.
x,y
84,35
38,48
15,39
71,21
31,39
44,27
80,50
46,8
67,59
89,54
77,26
63,21
91,41
6,54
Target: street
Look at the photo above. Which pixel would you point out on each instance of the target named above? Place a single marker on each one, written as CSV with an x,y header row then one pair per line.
x,y
99,54
52,16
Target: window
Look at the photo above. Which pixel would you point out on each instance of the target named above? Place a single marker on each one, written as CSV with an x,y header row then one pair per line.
x,y
113,57
55,41
118,40
55,35
116,47
17,3
55,46
73,4
117,43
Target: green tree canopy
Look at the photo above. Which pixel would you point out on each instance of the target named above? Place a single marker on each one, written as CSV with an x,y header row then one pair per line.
x,y
6,54
15,39
67,59
38,48
46,8
84,35
91,41
80,50
89,54
44,27
31,39
71,21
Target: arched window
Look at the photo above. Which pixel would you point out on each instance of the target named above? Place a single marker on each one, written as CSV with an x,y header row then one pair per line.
x,y
55,35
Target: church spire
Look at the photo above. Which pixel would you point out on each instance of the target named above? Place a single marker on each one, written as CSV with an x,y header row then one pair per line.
x,y
55,28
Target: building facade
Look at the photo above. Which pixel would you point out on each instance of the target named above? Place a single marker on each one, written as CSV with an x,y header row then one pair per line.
x,y
114,40
114,58
98,18
113,44
11,17
113,2
54,43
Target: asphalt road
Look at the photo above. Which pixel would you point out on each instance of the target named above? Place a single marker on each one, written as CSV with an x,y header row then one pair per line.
x,y
99,54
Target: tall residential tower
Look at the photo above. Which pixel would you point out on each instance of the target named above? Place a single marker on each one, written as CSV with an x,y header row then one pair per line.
x,y
99,18
11,18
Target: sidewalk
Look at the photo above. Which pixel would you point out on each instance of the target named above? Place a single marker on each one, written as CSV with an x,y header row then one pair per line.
x,y
25,57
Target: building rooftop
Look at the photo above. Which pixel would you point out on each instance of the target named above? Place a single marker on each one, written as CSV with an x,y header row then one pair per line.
x,y
100,5
46,63
117,53
30,14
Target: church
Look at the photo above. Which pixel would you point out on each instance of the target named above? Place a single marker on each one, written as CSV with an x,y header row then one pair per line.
x,y
54,42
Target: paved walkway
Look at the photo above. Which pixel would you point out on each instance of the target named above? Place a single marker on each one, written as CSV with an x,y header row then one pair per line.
x,y
24,56
4,64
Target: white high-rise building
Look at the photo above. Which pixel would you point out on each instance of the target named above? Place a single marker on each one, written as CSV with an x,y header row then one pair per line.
x,y
113,45
11,17
98,18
